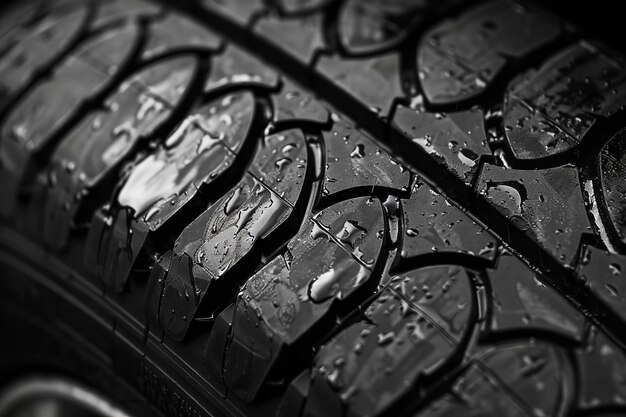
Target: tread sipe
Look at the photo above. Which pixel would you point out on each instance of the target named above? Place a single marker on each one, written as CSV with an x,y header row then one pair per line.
x,y
319,207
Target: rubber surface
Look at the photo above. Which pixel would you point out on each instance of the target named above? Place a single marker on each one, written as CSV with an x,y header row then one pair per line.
x,y
321,208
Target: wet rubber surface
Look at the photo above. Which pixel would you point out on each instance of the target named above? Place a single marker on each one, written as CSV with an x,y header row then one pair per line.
x,y
318,208
459,59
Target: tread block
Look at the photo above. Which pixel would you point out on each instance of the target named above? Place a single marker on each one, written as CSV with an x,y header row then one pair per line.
x,y
409,333
456,140
89,156
515,380
546,113
181,292
602,366
201,148
232,232
213,354
474,393
540,375
14,20
547,204
113,244
308,263
522,303
355,164
458,59
30,126
295,396
604,274
612,164
177,178
26,50
333,262
433,225
227,241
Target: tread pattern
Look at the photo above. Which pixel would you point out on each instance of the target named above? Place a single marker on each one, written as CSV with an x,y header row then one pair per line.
x,y
330,207
459,59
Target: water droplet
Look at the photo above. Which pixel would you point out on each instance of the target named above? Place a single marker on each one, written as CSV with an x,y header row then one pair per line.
x,y
468,157
358,151
18,132
153,211
532,365
612,290
324,287
200,255
489,247
334,380
351,232
234,202
327,284
288,148
317,232
384,339
52,178
70,166
425,142
391,204
181,131
615,269
270,212
515,193
244,217
148,104
318,166
417,103
226,119
586,255
123,135
207,142
282,163
339,362
96,124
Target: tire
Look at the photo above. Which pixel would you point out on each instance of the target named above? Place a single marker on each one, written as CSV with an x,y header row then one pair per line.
x,y
314,208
